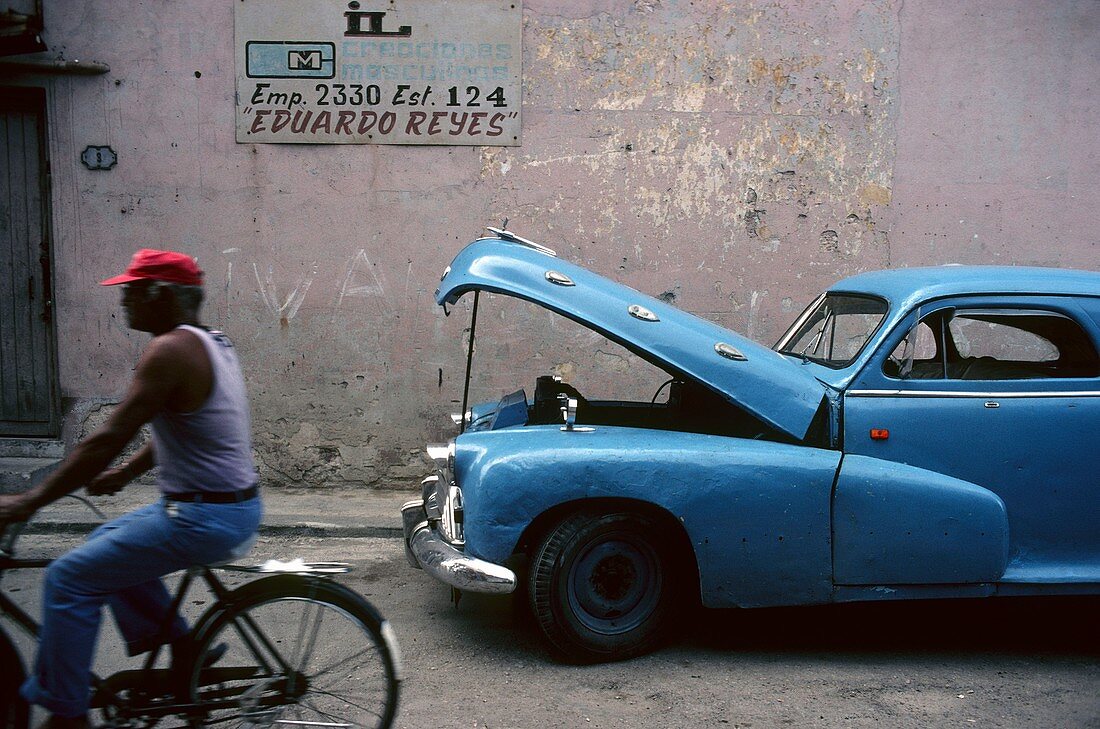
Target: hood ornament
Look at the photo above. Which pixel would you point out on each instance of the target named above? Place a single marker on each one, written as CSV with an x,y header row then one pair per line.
x,y
513,238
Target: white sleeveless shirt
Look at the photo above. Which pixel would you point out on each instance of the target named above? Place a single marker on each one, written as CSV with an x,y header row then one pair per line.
x,y
210,448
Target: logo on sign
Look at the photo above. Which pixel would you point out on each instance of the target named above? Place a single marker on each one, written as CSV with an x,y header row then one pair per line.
x,y
286,59
373,20
304,60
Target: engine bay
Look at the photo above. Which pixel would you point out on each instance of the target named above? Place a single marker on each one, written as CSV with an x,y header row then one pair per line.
x,y
690,407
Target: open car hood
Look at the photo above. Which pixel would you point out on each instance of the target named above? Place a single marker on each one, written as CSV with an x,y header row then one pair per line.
x,y
756,378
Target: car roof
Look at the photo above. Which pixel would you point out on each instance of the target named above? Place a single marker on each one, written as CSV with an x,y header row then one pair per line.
x,y
933,282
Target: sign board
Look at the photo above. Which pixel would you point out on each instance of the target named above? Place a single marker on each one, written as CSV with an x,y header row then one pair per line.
x,y
378,71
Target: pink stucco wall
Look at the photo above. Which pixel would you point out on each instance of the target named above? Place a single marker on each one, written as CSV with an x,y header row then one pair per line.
x,y
998,145
733,157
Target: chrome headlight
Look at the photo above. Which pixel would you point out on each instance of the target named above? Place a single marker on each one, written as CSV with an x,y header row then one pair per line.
x,y
442,496
443,454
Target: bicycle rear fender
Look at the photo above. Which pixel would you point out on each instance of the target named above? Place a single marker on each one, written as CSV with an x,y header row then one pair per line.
x,y
277,585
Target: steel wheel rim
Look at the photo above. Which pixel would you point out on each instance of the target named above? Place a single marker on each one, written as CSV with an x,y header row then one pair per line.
x,y
614,584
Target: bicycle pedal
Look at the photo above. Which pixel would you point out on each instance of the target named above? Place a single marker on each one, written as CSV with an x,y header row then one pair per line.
x,y
151,683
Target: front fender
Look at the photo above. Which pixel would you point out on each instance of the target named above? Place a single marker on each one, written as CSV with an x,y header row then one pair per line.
x,y
756,512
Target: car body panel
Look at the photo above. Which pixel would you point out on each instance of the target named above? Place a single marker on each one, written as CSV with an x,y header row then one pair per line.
x,y
1023,439
927,488
904,288
768,544
898,525
765,383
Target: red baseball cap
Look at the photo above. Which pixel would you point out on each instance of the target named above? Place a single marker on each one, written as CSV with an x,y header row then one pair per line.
x,y
157,265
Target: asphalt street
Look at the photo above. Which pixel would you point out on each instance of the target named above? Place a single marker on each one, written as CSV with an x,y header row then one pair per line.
x,y
988,663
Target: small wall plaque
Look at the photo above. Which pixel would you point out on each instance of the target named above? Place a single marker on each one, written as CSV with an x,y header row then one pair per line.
x,y
99,158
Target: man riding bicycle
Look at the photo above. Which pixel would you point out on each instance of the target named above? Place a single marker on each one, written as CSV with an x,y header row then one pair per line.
x,y
188,386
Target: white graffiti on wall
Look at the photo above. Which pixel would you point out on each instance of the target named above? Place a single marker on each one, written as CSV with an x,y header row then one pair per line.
x,y
359,280
283,309
352,287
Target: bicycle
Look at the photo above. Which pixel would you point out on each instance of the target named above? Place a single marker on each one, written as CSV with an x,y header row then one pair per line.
x,y
292,648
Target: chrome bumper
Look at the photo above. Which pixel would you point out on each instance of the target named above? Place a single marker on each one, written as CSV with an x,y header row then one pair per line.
x,y
427,550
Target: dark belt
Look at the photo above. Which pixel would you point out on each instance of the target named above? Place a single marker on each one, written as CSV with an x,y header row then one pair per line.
x,y
216,497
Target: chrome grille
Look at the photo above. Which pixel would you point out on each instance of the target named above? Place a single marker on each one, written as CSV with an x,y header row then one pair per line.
x,y
445,497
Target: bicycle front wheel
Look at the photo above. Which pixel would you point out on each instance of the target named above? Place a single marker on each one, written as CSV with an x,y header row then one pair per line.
x,y
14,712
296,651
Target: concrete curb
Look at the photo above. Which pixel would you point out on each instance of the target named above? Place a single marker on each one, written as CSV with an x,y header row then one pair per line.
x,y
343,513
333,531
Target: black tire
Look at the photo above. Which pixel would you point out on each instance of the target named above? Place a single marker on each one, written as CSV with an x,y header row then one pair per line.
x,y
14,712
343,658
601,586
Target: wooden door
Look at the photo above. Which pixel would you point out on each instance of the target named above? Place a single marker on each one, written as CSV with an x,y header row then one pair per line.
x,y
28,372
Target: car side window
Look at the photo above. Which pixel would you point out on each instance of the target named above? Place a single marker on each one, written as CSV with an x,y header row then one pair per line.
x,y
996,344
988,336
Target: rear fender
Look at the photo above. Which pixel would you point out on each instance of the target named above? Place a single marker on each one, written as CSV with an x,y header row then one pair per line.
x,y
899,525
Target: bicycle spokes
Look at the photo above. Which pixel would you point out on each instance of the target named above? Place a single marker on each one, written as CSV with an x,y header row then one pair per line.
x,y
297,661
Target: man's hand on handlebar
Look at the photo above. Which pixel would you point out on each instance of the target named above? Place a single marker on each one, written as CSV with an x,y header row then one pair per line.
x,y
14,508
110,481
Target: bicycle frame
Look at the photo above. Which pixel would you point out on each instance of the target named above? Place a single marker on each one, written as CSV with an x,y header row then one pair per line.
x,y
164,700
9,608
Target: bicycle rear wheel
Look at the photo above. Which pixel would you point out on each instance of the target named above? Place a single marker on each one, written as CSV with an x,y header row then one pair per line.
x,y
296,651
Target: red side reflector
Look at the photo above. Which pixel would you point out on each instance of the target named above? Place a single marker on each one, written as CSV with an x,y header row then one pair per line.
x,y
879,433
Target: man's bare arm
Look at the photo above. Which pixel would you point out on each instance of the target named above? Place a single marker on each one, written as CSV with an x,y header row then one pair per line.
x,y
157,377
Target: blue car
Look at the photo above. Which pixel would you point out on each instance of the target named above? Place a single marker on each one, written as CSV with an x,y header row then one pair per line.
x,y
916,433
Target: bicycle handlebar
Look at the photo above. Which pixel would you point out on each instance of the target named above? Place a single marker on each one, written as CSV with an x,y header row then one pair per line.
x,y
10,531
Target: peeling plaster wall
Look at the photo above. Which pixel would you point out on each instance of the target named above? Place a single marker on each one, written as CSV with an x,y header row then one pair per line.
x,y
734,158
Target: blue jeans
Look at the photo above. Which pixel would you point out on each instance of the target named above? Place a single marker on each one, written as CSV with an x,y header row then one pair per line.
x,y
121,565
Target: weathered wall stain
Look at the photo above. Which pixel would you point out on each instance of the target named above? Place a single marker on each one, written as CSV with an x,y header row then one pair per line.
x,y
732,159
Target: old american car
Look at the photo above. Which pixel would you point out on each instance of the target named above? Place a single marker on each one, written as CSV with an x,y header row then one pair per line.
x,y
916,433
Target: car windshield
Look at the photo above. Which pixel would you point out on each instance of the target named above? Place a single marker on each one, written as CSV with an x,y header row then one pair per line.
x,y
834,329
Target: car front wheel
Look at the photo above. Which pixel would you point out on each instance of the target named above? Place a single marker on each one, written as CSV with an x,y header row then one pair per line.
x,y
600,586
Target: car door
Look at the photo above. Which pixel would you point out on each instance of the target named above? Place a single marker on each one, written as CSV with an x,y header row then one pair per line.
x,y
1002,392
